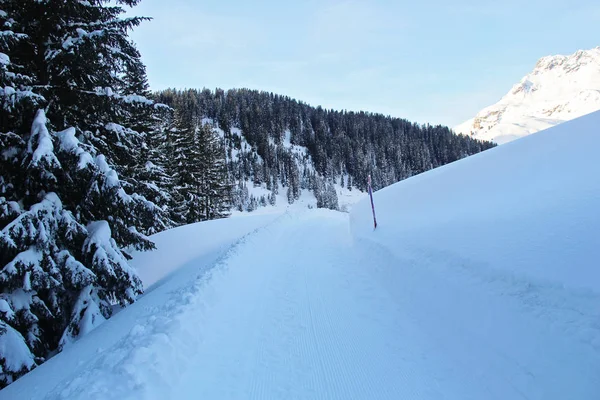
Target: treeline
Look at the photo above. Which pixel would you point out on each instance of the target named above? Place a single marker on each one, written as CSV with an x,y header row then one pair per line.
x,y
339,144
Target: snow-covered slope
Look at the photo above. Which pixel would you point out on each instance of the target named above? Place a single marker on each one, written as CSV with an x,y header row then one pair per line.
x,y
178,247
480,282
559,88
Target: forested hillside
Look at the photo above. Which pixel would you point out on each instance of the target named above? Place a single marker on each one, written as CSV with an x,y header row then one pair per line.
x,y
273,140
91,162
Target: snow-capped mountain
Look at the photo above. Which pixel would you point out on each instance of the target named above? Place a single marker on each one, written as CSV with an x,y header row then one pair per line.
x,y
559,88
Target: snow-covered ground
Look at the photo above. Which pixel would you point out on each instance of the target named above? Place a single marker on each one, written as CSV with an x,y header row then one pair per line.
x,y
480,282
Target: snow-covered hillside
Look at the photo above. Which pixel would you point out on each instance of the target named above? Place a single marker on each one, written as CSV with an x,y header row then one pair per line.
x,y
251,196
480,282
559,88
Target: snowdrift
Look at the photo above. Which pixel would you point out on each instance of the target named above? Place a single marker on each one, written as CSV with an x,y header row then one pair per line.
x,y
527,210
178,247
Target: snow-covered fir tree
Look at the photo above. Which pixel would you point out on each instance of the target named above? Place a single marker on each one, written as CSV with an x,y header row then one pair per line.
x,y
186,168
151,177
215,189
68,130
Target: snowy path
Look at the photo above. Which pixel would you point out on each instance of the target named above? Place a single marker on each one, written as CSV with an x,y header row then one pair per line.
x,y
298,310
300,318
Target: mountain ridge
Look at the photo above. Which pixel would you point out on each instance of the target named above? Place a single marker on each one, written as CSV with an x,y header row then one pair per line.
x,y
558,89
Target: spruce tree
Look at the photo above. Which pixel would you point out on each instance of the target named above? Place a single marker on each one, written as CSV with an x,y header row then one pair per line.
x,y
186,169
150,177
69,130
214,186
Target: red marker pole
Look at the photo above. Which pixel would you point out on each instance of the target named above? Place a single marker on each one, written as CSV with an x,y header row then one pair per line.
x,y
372,204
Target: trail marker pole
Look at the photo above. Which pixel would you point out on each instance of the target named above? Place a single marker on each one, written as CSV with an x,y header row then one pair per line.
x,y
372,204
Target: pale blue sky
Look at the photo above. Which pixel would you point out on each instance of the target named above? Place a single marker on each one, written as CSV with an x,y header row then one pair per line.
x,y
427,61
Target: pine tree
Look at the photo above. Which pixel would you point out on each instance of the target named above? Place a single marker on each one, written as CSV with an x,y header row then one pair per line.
x,y
186,169
65,214
214,187
319,192
332,199
252,205
69,265
150,177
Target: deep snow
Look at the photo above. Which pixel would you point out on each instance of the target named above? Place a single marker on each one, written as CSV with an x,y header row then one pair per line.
x,y
480,282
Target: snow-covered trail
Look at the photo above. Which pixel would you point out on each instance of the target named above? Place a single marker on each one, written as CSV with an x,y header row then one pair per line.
x,y
299,310
299,317
306,313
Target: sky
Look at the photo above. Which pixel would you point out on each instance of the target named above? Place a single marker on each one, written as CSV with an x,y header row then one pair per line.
x,y
436,62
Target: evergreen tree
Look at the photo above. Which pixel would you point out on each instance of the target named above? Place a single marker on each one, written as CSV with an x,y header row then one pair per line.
x,y
150,176
69,264
332,199
214,187
65,214
186,170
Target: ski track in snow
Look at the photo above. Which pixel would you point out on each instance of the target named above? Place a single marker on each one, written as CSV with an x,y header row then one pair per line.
x,y
301,310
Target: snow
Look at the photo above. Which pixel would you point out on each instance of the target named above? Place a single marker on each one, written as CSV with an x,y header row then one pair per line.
x,y
41,139
106,251
30,256
89,317
99,234
82,34
480,282
76,271
21,300
111,178
560,88
6,309
8,91
530,207
192,242
131,98
68,142
20,356
4,59
50,203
